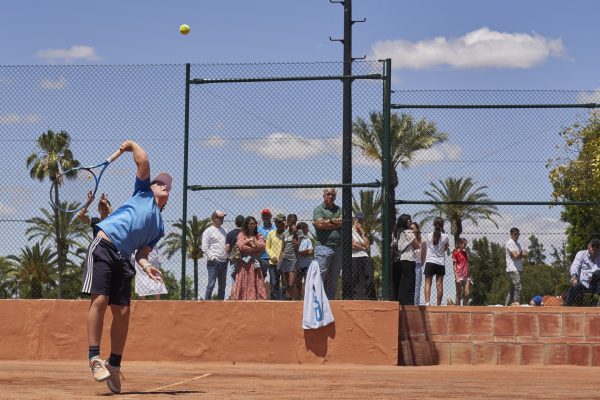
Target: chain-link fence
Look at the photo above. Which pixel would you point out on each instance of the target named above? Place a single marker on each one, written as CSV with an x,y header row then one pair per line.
x,y
284,137
492,172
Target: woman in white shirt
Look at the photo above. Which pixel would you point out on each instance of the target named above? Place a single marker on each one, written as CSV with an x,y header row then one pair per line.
x,y
403,269
435,261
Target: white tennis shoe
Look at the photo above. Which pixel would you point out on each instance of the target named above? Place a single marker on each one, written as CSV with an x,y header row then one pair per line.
x,y
114,382
99,371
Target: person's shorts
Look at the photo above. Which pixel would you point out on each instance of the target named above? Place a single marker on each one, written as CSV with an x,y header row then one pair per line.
x,y
434,269
106,273
287,265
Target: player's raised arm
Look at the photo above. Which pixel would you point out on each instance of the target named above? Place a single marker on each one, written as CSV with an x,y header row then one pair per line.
x,y
139,156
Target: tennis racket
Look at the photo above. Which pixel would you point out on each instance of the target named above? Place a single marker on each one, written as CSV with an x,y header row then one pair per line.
x,y
70,190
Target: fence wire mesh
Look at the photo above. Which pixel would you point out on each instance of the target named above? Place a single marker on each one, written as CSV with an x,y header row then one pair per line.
x,y
281,133
504,152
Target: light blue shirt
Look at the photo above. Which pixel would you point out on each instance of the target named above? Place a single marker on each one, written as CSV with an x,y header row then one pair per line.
x,y
137,223
583,266
304,261
265,232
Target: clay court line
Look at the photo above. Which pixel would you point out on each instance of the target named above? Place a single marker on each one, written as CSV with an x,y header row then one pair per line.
x,y
177,383
172,384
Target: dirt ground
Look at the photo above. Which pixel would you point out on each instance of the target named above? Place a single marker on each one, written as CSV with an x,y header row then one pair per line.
x,y
181,380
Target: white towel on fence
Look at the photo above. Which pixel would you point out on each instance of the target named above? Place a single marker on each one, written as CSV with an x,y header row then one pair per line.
x,y
317,312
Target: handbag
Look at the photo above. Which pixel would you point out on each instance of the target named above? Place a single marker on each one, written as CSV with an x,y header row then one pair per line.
x,y
235,254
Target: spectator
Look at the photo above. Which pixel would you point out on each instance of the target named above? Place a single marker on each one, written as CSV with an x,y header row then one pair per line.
x,y
584,272
327,218
305,254
420,252
104,209
264,229
274,243
435,260
460,262
358,279
213,246
403,269
249,282
288,259
144,286
514,266
231,240
536,301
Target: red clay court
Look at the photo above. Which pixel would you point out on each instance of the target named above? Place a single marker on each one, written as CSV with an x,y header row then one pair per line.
x,y
186,380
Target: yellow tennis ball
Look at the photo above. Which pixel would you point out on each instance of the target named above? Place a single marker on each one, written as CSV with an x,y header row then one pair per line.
x,y
184,29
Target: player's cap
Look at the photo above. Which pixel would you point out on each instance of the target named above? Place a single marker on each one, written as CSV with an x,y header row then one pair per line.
x,y
537,300
218,213
359,215
266,211
165,178
280,217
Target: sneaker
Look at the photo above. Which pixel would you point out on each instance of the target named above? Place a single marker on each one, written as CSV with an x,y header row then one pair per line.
x,y
99,372
515,304
114,382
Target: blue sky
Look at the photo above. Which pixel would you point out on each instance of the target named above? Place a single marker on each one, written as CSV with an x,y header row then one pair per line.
x,y
555,42
442,44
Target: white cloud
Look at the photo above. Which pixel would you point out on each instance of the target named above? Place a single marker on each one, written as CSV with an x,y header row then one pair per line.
x,y
214,141
74,53
59,83
19,119
444,151
286,146
482,48
246,193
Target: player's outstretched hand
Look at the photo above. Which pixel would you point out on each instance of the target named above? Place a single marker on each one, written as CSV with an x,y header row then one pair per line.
x,y
127,145
154,273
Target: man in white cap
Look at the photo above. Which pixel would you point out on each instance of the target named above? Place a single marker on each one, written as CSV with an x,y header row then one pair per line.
x,y
134,227
213,247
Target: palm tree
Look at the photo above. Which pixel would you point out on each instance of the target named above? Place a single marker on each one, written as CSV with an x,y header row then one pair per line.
x,y
462,189
370,205
194,230
72,230
33,270
407,137
54,156
8,287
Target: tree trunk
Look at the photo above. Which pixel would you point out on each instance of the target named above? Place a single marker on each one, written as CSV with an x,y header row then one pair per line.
x,y
59,246
196,280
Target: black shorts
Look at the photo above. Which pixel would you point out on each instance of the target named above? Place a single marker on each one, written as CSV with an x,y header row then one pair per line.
x,y
434,269
106,273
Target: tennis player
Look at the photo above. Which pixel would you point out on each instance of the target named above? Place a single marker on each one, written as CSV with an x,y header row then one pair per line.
x,y
136,225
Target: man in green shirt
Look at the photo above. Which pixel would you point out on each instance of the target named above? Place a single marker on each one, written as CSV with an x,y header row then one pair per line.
x,y
327,218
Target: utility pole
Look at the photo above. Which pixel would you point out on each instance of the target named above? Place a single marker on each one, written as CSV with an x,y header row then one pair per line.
x,y
347,133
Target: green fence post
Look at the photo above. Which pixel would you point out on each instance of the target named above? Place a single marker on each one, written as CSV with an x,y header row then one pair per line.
x,y
385,175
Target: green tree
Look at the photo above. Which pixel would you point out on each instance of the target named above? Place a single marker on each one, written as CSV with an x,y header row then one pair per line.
x,y
370,205
536,252
194,230
52,156
544,280
560,258
487,265
8,284
407,138
454,190
33,271
73,234
575,176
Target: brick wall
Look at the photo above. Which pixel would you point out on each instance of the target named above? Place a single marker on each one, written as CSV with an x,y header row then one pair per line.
x,y
499,336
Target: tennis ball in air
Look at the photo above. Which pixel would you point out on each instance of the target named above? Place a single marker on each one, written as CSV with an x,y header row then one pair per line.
x,y
184,29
